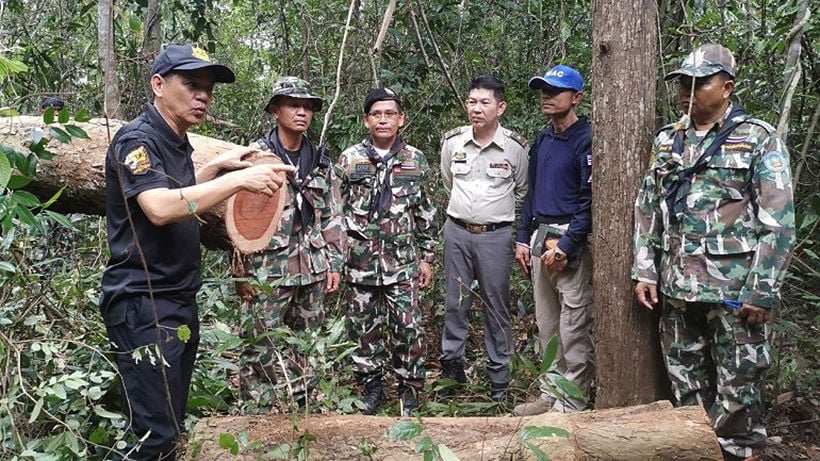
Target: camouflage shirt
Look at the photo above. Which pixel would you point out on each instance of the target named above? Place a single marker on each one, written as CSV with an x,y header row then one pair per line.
x,y
386,245
734,237
300,258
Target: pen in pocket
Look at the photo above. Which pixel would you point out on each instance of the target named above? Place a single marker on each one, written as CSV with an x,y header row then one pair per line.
x,y
732,303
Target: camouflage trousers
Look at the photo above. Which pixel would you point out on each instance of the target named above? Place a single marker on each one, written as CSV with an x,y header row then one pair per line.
x,y
269,363
378,314
716,360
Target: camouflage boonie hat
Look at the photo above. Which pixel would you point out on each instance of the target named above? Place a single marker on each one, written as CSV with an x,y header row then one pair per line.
x,y
293,87
706,60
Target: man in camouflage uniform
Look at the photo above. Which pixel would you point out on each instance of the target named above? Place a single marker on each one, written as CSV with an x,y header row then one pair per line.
x,y
391,230
484,169
304,258
715,227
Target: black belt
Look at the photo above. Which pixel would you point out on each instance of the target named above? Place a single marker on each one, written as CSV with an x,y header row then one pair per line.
x,y
479,228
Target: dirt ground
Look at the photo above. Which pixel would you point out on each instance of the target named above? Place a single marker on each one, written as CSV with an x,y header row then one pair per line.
x,y
794,429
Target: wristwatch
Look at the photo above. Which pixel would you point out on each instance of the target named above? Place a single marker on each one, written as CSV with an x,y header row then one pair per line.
x,y
559,255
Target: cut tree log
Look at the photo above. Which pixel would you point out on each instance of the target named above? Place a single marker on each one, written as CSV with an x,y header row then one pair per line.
x,y
80,168
654,431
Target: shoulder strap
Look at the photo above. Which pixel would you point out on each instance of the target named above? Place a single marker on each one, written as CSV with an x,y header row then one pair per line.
x,y
676,198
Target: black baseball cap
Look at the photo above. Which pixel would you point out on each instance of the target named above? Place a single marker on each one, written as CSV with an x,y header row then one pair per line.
x,y
189,57
380,94
51,101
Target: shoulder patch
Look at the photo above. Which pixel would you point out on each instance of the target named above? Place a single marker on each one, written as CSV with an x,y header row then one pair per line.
x,y
670,127
454,132
775,161
765,125
522,141
138,161
412,149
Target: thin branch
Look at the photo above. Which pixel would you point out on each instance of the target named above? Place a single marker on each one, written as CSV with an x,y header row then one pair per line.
x,y
284,20
794,70
388,17
806,145
338,74
441,60
376,51
418,34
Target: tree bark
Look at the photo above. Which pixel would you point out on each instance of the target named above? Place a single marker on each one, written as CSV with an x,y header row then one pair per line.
x,y
649,432
151,41
80,168
629,369
108,62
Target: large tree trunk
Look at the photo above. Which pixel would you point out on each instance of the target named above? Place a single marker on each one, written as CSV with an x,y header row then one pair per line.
x,y
108,63
80,168
649,432
628,361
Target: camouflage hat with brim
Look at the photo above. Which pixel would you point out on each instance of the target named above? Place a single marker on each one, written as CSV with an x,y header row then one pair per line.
x,y
295,88
705,61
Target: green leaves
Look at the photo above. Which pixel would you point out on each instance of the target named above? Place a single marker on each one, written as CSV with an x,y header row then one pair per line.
x,y
228,442
5,171
184,333
535,432
404,430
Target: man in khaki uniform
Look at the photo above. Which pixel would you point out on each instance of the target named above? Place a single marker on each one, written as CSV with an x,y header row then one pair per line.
x,y
484,169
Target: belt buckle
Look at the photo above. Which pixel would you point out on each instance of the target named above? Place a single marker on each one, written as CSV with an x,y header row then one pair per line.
x,y
475,228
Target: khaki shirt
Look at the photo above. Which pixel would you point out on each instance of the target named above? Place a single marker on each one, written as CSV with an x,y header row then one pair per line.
x,y
487,184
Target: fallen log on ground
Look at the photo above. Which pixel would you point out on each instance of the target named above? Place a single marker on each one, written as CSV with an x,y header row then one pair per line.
x,y
654,431
80,167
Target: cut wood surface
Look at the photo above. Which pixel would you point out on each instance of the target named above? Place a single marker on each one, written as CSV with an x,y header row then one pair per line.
x,y
654,431
80,167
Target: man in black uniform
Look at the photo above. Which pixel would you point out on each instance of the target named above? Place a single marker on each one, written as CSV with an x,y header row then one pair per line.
x,y
149,287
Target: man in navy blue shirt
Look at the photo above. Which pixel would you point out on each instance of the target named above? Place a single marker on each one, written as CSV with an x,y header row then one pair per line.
x,y
551,242
153,197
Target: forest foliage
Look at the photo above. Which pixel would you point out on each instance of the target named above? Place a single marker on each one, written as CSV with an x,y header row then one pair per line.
x,y
59,398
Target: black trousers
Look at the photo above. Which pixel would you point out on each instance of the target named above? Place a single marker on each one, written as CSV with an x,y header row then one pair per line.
x,y
156,368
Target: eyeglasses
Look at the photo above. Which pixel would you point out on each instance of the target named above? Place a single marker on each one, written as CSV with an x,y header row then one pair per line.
x,y
389,115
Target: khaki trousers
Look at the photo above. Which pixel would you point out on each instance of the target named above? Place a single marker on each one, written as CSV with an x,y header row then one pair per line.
x,y
563,307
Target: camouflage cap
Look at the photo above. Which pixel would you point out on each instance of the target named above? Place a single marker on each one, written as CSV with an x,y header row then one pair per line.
x,y
706,60
293,87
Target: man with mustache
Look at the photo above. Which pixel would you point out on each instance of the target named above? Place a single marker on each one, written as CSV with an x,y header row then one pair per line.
x,y
552,239
391,229
149,287
484,170
304,258
714,229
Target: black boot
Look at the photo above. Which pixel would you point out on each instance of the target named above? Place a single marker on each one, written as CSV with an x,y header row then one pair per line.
x,y
499,392
408,400
373,395
453,369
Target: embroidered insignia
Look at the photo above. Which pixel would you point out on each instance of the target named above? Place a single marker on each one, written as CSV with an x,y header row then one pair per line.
x,y
665,148
138,161
501,165
460,155
200,54
774,161
364,167
408,165
737,146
